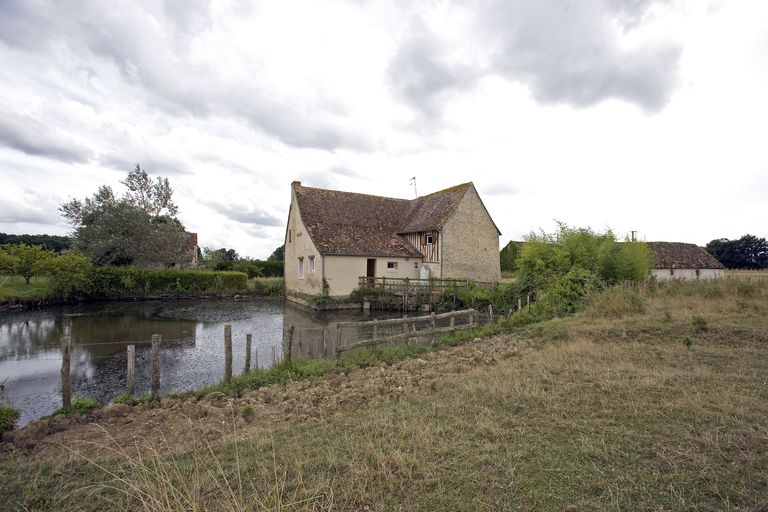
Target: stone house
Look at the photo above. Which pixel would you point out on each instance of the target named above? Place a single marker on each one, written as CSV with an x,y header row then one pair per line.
x,y
675,260
341,236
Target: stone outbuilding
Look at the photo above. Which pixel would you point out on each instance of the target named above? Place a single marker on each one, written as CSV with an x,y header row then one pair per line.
x,y
337,237
676,260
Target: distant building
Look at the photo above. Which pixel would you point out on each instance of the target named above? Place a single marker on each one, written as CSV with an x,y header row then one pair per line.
x,y
341,236
675,260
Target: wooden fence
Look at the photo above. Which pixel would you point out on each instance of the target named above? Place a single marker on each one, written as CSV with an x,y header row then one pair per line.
x,y
392,330
406,285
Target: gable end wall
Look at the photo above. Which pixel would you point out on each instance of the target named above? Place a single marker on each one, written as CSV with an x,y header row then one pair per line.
x,y
471,242
301,245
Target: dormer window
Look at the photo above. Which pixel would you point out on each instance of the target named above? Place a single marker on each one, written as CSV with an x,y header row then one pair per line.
x,y
429,239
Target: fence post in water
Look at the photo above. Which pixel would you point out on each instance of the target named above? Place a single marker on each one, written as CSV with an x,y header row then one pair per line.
x,y
432,320
274,356
131,380
338,339
66,390
289,345
490,313
375,329
453,321
248,342
227,353
155,357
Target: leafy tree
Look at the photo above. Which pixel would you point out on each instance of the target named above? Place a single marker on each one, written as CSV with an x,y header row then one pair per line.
x,y
138,228
25,260
278,254
748,251
508,256
70,274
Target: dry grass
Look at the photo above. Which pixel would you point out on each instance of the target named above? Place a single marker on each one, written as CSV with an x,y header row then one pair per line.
x,y
637,409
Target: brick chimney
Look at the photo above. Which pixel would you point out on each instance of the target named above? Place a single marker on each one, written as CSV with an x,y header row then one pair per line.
x,y
296,184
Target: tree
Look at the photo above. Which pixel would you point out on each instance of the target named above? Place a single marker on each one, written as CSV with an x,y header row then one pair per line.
x,y
748,251
69,274
26,260
278,254
508,256
138,228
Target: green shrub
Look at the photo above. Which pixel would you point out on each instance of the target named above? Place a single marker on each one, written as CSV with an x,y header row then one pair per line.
x,y
8,417
80,405
273,286
699,323
116,280
70,274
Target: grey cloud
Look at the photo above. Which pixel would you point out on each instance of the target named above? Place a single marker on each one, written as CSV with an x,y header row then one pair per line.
x,y
565,52
32,137
245,214
422,75
572,53
30,207
156,164
151,45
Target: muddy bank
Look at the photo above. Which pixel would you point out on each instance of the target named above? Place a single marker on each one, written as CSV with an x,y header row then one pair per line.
x,y
186,423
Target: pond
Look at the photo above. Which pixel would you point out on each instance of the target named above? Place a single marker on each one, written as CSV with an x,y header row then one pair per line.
x,y
191,354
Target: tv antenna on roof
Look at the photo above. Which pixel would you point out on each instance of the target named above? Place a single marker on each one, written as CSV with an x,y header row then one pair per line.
x,y
413,182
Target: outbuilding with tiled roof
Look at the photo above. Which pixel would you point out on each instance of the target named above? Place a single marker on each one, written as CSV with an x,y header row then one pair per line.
x,y
677,260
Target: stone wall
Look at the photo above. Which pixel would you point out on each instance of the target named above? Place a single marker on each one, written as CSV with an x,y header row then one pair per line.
x,y
298,244
686,274
471,242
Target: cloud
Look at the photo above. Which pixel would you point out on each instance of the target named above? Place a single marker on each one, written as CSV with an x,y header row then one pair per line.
x,y
33,137
423,74
246,214
500,189
574,52
26,206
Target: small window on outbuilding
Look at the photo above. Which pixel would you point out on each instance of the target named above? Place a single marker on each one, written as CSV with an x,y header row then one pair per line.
x,y
311,264
671,271
391,266
430,239
301,268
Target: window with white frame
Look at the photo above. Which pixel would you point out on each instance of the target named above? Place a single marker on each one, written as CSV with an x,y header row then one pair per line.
x,y
430,239
311,264
391,266
301,268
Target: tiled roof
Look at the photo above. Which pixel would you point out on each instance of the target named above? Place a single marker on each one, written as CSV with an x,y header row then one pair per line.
x,y
681,255
345,223
430,212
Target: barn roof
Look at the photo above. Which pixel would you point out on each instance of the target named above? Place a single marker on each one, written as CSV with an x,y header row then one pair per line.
x,y
351,224
681,255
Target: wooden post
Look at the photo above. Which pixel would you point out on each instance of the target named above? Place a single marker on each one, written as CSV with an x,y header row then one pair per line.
x,y
375,329
338,338
155,357
519,304
66,385
529,302
323,352
490,313
256,359
274,356
227,352
289,344
453,321
248,342
432,320
131,379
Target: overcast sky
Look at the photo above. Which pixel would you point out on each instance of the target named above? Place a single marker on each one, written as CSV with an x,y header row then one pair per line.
x,y
630,114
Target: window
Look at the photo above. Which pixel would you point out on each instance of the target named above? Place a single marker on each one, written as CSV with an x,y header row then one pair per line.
x,y
301,268
671,271
311,264
429,239
415,264
391,266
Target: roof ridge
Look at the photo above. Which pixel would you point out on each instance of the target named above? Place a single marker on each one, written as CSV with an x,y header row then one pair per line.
x,y
355,193
449,189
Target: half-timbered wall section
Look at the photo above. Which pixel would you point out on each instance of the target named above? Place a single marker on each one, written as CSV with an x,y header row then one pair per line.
x,y
428,243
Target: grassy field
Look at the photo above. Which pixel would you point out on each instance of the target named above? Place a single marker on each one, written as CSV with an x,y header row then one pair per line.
x,y
14,287
652,402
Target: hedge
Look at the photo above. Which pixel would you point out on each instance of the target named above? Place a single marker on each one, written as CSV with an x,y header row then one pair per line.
x,y
116,280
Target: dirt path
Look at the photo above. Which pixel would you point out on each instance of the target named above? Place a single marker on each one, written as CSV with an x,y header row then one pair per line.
x,y
187,423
